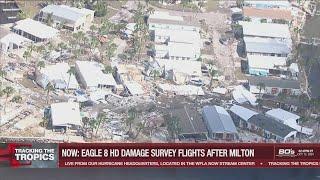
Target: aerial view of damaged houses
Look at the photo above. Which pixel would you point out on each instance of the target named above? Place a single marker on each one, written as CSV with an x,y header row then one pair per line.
x,y
160,71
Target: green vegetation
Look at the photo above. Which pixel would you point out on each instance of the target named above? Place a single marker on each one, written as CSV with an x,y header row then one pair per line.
x,y
71,71
16,99
173,126
41,64
212,73
48,89
100,9
7,91
132,114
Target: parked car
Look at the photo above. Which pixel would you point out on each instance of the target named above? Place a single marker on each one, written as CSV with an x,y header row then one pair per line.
x,y
196,82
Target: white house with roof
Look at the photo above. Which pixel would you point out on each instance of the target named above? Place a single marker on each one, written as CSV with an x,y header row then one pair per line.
x,y
65,115
266,65
274,86
164,20
267,46
268,4
91,76
189,37
72,18
58,75
289,119
12,41
35,30
177,51
265,30
176,38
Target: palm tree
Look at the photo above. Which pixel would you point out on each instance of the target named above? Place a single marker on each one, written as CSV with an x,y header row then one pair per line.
x,y
61,25
8,91
41,64
140,126
111,48
94,43
48,89
173,126
100,9
49,19
102,117
16,99
22,15
93,28
147,2
71,71
31,48
40,49
132,114
212,73
155,73
201,4
50,46
240,3
62,46
26,55
140,32
106,27
261,86
3,74
281,97
150,10
121,27
108,69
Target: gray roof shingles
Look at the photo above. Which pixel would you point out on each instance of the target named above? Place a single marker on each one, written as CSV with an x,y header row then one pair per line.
x,y
270,125
218,119
274,82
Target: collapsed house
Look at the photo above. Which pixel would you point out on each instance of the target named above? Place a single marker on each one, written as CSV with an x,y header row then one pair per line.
x,y
131,77
242,95
183,90
179,71
57,75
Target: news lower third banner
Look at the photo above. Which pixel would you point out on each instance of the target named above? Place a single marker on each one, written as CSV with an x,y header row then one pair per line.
x,y
179,155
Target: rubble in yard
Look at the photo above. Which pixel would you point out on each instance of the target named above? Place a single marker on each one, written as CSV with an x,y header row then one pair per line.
x,y
186,90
